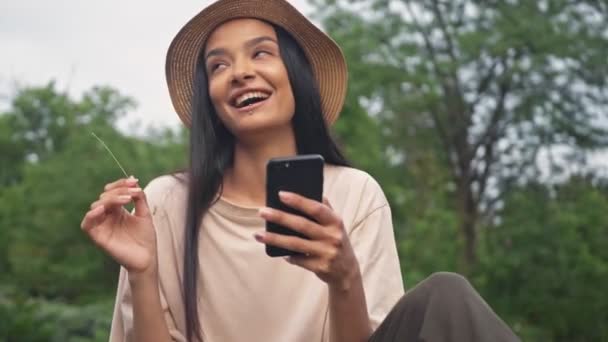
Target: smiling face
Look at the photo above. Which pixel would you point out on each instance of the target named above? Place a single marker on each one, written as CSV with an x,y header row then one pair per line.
x,y
248,82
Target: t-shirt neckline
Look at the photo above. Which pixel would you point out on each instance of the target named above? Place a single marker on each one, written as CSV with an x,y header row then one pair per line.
x,y
225,207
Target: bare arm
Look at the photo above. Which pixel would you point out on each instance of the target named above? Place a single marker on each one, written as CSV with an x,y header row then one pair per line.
x,y
148,320
348,311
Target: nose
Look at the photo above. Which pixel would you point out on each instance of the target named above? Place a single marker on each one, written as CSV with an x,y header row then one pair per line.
x,y
242,70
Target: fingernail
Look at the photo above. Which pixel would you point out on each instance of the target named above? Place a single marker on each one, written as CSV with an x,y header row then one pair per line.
x,y
134,190
132,180
285,195
265,212
124,198
98,210
259,236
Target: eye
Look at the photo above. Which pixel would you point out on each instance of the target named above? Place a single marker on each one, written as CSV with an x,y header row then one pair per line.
x,y
217,67
260,53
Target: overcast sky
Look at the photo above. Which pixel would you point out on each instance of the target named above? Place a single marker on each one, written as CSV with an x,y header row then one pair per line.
x,y
85,43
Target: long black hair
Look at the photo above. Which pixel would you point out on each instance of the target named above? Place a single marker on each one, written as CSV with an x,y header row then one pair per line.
x,y
212,153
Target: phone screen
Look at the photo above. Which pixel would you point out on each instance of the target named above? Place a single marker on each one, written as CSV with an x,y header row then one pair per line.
x,y
303,175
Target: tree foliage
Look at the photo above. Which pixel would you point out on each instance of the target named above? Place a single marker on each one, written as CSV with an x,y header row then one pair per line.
x,y
53,171
478,87
470,101
543,265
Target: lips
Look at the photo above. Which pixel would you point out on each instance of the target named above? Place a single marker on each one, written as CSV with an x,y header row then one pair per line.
x,y
238,97
252,106
249,99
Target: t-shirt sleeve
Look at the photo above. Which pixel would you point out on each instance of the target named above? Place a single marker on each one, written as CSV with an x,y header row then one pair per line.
x,y
373,241
122,319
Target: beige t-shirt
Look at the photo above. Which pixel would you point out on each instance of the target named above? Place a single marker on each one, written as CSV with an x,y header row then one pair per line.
x,y
246,295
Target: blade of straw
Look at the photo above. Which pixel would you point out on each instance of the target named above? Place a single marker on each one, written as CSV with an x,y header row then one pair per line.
x,y
112,154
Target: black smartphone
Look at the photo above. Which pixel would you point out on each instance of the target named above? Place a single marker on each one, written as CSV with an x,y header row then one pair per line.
x,y
301,174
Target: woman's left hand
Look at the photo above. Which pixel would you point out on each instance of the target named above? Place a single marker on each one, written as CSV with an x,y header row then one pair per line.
x,y
328,253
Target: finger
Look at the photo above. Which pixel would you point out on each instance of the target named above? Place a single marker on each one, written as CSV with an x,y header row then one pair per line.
x,y
303,261
292,243
123,182
120,191
318,211
295,222
326,202
92,218
112,202
141,203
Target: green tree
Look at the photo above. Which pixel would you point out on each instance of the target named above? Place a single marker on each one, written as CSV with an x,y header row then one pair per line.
x,y
11,154
545,264
55,285
478,88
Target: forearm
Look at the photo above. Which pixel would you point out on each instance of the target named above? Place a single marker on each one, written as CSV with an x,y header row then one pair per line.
x,y
348,311
148,320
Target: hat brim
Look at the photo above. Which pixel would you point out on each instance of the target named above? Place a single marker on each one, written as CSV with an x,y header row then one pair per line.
x,y
325,56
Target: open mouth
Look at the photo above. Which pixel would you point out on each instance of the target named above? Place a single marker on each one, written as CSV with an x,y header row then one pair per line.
x,y
250,100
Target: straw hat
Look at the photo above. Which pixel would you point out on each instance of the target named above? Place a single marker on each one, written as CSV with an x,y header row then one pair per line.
x,y
324,55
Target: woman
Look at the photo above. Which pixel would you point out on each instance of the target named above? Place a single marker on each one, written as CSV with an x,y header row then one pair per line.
x,y
255,80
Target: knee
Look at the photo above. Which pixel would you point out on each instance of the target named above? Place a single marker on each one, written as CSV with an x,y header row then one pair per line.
x,y
448,283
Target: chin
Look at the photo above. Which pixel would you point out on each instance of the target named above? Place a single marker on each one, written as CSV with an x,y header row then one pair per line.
x,y
258,123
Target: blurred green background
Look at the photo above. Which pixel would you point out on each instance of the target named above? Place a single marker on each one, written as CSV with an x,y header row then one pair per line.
x,y
484,121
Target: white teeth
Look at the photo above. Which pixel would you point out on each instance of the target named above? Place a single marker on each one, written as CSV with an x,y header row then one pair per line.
x,y
254,94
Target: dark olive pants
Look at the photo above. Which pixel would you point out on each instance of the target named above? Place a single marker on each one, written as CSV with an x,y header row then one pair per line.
x,y
442,308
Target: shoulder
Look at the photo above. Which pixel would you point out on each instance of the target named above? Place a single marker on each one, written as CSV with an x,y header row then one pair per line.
x,y
354,192
167,201
348,180
166,190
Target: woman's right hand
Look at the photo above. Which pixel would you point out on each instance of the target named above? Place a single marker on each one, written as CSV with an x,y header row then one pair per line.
x,y
128,238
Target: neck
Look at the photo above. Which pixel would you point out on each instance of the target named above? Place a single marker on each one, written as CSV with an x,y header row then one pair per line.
x,y
245,182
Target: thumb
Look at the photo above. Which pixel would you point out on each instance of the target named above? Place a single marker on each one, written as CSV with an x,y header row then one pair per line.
x,y
326,202
141,204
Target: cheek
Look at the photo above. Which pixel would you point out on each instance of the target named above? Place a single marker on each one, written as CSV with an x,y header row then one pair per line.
x,y
289,102
216,95
213,92
287,98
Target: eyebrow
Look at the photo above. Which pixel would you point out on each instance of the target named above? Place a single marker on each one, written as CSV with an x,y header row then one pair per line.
x,y
248,44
